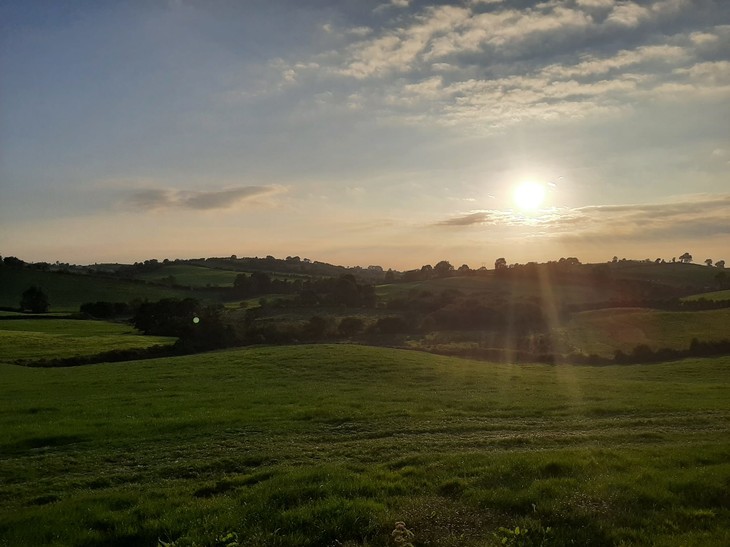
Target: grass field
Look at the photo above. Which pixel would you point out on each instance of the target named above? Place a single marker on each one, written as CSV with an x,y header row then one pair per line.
x,y
66,292
58,338
191,276
715,295
604,331
330,445
493,287
674,274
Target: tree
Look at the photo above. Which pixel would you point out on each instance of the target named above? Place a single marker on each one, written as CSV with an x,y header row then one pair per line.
x,y
13,262
500,263
708,261
464,269
350,326
686,258
34,300
443,268
720,264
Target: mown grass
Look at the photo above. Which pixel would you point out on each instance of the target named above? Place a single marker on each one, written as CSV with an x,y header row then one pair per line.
x,y
58,338
604,331
314,445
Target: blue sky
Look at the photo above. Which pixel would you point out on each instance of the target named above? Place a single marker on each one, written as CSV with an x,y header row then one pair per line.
x,y
360,133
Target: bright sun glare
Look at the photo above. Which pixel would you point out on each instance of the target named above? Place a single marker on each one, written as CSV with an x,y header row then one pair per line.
x,y
528,196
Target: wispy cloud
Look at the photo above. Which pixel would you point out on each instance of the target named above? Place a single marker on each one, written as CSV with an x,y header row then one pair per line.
x,y
686,216
166,198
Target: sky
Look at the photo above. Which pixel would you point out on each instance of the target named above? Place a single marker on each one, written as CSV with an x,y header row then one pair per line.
x,y
364,132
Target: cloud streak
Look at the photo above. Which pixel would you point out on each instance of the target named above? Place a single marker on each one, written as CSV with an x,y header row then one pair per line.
x,y
686,217
166,198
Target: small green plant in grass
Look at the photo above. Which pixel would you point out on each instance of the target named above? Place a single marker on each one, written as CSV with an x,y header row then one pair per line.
x,y
227,540
402,536
523,537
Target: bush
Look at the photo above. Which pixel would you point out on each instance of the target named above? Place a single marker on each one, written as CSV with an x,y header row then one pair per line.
x,y
34,300
349,326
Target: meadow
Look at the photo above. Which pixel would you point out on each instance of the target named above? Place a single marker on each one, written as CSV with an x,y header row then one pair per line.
x,y
714,295
604,331
191,276
328,445
58,338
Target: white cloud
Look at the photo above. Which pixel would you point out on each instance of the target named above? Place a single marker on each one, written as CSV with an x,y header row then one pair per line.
x,y
628,14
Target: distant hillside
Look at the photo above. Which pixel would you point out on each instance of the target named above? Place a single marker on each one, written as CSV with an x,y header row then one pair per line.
x,y
675,274
714,296
290,266
66,291
607,330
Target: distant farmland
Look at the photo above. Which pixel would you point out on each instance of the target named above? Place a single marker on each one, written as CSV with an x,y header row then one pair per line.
x,y
604,331
66,292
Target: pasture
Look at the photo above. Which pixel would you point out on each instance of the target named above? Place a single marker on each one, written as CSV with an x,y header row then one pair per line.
x,y
490,286
331,444
604,331
58,338
715,295
191,276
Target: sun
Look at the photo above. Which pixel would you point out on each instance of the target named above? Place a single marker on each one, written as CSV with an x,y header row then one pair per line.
x,y
529,195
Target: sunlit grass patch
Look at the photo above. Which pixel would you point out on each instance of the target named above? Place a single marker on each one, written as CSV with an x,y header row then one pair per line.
x,y
58,338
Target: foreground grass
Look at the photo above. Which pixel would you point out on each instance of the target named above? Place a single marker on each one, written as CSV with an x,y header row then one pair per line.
x,y
315,445
58,338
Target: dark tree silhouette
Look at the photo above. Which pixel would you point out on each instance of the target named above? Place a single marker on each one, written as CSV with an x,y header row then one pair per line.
x,y
708,261
720,264
686,258
13,262
500,264
443,268
34,299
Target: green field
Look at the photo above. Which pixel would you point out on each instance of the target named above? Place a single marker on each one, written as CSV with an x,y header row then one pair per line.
x,y
604,331
673,274
715,295
191,276
66,292
491,287
58,338
330,445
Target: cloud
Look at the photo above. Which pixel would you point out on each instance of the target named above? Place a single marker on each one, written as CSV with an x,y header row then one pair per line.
x,y
156,199
489,65
692,216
